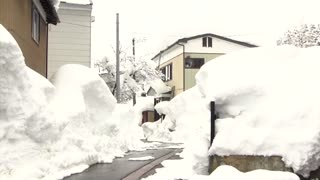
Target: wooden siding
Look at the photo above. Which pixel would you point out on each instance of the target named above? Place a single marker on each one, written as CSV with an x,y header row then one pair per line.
x,y
177,74
16,17
70,41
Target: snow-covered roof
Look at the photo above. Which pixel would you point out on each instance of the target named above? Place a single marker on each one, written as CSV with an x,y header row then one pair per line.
x,y
159,86
50,7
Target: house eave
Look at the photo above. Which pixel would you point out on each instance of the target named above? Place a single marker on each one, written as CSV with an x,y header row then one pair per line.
x,y
185,40
51,13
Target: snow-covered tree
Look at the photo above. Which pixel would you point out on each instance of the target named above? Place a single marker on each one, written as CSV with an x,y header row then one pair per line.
x,y
303,36
134,75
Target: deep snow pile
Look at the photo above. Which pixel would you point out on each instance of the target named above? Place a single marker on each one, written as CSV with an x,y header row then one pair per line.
x,y
48,132
268,103
188,117
225,172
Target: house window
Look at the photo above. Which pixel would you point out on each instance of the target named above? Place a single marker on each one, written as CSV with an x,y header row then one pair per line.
x,y
193,63
204,42
167,71
207,42
35,24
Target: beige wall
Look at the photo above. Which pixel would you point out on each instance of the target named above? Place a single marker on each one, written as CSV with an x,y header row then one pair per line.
x,y
177,73
178,76
15,16
190,74
70,40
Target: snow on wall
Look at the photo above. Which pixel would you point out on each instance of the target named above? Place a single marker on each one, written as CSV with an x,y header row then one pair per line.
x,y
268,103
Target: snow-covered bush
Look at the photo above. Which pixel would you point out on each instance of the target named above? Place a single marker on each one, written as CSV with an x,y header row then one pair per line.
x,y
135,75
306,35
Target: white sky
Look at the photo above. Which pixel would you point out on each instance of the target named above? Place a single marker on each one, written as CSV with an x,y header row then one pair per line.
x,y
164,21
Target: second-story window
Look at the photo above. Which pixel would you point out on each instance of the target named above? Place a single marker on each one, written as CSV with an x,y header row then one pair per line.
x,y
207,42
35,24
167,71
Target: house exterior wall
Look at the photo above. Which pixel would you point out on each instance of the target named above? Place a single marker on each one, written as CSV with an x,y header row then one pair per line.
x,y
168,55
70,41
184,78
190,74
16,17
177,73
218,46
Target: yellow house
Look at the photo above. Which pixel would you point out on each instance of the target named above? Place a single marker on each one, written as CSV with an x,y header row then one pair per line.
x,y
180,61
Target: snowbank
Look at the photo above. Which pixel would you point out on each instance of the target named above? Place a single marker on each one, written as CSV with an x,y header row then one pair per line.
x,y
230,173
268,104
51,131
188,117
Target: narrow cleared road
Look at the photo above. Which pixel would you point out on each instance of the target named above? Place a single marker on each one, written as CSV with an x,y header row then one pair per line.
x,y
123,168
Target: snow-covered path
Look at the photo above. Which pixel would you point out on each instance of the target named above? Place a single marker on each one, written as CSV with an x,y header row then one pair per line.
x,y
126,168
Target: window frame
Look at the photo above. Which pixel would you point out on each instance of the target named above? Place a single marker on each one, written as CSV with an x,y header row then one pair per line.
x,y
35,24
194,59
204,42
207,42
167,71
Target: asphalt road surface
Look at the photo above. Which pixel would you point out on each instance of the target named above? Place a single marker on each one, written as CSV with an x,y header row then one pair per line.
x,y
122,168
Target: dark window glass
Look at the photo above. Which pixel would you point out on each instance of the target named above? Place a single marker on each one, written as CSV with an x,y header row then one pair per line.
x,y
204,42
209,42
194,63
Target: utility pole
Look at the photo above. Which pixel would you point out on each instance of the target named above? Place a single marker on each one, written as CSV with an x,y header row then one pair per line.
x,y
118,61
133,48
134,58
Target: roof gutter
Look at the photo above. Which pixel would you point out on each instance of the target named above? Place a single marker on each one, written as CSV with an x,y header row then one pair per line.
x,y
183,63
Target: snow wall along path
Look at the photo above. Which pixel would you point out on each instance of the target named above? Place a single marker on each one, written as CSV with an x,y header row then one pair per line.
x,y
50,131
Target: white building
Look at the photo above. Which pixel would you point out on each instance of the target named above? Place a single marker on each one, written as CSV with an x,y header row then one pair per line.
x,y
70,41
180,61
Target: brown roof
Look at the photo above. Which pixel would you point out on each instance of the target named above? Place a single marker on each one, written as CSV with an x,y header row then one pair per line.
x,y
184,40
51,13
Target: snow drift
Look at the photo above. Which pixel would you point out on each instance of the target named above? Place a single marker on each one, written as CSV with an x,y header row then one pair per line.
x,y
50,131
268,104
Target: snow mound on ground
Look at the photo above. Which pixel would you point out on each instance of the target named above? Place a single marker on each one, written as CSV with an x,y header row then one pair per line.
x,y
188,117
26,124
49,132
230,173
162,107
268,104
80,89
